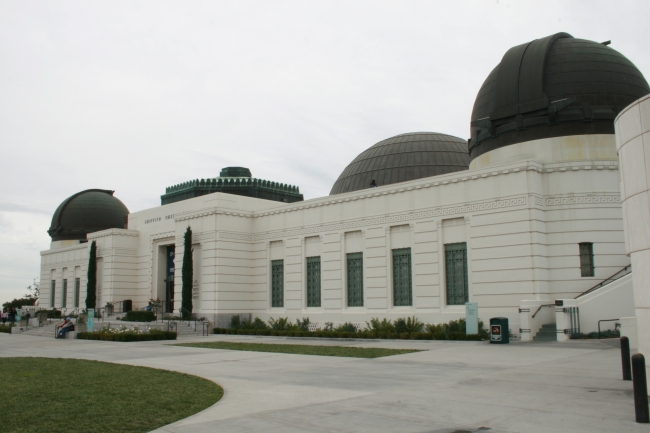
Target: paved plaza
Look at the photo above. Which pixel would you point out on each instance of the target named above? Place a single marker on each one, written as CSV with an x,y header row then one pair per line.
x,y
449,386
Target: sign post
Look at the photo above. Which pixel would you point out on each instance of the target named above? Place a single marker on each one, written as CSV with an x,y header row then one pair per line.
x,y
471,318
91,319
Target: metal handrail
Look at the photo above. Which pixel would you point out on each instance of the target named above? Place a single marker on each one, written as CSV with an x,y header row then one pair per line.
x,y
205,331
626,270
540,307
605,320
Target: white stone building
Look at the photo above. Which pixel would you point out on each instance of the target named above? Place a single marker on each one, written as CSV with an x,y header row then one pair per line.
x,y
534,219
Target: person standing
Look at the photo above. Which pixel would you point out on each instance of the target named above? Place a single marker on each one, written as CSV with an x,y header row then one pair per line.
x,y
12,316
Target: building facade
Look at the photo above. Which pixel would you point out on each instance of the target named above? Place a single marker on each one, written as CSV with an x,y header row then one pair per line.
x,y
525,214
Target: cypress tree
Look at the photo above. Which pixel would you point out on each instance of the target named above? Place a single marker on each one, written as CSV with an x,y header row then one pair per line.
x,y
188,274
91,287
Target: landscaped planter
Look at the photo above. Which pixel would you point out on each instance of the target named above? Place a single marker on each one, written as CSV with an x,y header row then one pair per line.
x,y
361,334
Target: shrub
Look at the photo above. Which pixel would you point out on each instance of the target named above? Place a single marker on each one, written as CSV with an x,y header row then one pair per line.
x,y
5,328
281,324
329,326
346,327
140,316
303,325
455,330
378,328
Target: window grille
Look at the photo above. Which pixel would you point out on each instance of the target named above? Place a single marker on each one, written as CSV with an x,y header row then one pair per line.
x,y
313,281
355,279
64,293
277,283
456,273
77,289
402,290
52,292
586,259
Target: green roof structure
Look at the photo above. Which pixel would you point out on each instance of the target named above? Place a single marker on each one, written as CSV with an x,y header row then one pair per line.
x,y
232,180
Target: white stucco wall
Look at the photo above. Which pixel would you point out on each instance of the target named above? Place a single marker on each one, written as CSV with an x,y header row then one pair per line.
x,y
633,143
522,221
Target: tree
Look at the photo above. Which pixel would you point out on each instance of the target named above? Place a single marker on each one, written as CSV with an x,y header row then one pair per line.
x,y
188,274
29,298
91,287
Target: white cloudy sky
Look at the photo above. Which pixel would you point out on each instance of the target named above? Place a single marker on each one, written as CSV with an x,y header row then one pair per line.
x,y
135,96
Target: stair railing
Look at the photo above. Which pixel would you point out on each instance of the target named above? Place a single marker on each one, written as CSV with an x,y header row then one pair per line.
x,y
620,274
540,307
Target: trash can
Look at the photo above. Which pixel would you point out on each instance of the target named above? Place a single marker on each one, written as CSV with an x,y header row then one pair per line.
x,y
499,330
128,305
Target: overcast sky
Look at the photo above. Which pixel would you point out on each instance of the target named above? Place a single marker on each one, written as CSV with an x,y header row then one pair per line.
x,y
136,96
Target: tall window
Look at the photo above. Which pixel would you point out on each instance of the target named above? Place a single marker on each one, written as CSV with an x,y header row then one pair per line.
x,y
52,292
64,293
355,280
313,281
77,289
402,290
456,273
586,259
277,283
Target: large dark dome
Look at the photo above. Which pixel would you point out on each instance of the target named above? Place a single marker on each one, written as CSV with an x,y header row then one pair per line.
x,y
553,87
86,212
402,158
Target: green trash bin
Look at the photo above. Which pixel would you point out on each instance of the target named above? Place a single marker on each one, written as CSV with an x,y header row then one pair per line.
x,y
499,330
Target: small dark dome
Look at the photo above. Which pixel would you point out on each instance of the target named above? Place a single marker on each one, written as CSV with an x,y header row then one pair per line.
x,y
402,158
553,87
86,212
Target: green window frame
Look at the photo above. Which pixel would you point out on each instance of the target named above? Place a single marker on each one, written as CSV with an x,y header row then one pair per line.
x,y
64,293
355,279
456,273
277,283
587,259
402,284
77,290
313,282
52,292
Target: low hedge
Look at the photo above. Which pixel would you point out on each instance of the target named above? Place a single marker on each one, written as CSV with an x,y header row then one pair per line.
x,y
5,328
458,336
127,336
139,316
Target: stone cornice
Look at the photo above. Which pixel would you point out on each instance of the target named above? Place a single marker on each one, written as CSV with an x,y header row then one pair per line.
x,y
63,250
113,232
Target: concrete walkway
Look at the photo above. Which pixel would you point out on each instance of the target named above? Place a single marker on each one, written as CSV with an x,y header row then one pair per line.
x,y
521,387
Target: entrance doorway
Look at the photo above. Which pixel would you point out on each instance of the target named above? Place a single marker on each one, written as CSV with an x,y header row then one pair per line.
x,y
169,280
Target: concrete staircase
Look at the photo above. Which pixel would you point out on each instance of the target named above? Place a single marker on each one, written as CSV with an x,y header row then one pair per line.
x,y
546,333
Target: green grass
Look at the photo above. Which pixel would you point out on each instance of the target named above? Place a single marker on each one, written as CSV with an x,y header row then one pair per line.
x,y
300,349
71,395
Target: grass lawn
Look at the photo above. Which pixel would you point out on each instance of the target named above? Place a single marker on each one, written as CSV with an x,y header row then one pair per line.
x,y
300,349
71,395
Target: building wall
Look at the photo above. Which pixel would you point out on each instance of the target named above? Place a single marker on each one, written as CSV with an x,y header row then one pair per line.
x,y
633,142
522,221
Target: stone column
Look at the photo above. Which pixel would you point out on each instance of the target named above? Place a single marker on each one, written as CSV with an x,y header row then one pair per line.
x,y
633,145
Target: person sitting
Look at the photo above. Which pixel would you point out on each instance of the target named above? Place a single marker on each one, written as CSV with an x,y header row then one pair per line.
x,y
373,184
148,307
65,327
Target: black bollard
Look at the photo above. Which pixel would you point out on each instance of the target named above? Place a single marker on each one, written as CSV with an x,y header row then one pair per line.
x,y
640,389
625,358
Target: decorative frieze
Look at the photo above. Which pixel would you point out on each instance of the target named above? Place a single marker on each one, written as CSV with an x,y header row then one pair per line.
x,y
237,236
452,210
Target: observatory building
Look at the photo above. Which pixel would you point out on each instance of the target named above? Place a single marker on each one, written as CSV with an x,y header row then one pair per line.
x,y
524,218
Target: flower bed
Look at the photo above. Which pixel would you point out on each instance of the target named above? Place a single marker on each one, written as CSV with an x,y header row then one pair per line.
x,y
402,328
127,334
359,334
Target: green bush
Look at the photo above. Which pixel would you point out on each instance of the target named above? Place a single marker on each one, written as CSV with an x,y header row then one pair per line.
x,y
5,328
303,325
380,328
140,316
346,327
281,324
